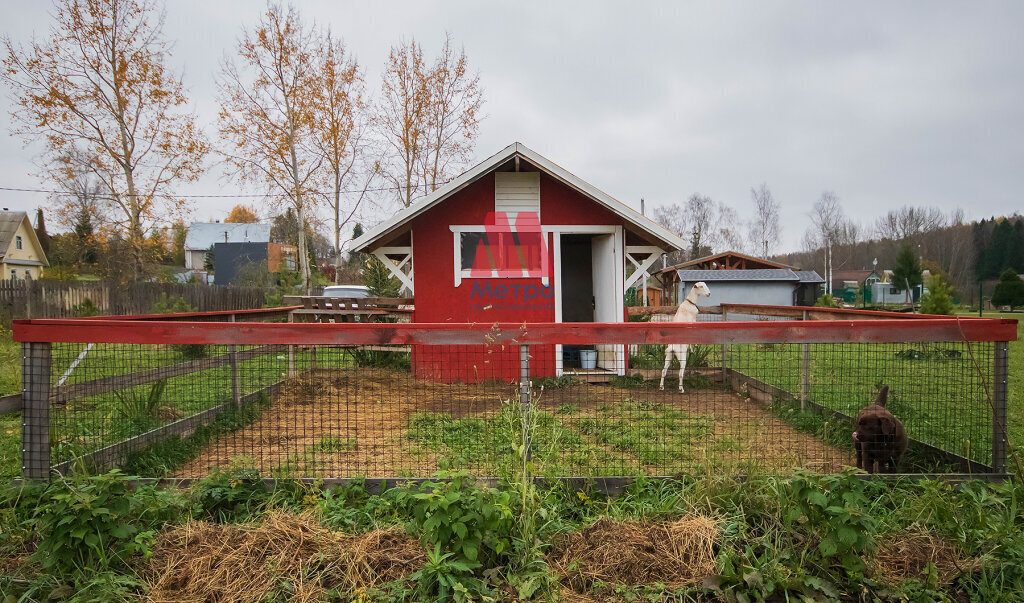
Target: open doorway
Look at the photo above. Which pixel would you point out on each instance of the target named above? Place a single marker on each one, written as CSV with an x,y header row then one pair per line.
x,y
577,292
589,280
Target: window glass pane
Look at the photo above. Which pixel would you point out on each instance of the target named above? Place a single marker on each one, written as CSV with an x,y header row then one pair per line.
x,y
475,252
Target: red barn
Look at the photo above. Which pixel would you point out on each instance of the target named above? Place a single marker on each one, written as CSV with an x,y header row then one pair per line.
x,y
517,238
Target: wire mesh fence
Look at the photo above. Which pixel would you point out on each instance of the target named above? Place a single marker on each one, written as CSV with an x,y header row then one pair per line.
x,y
404,402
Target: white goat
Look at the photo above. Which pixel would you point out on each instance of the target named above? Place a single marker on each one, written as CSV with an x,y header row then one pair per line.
x,y
686,312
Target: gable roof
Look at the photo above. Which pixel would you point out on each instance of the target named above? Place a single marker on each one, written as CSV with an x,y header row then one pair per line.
x,y
488,165
201,235
722,260
9,223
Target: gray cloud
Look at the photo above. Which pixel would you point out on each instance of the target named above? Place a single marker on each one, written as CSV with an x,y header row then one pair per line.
x,y
884,103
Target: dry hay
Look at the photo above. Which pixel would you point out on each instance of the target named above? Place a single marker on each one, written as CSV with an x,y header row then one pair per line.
x,y
907,555
201,561
674,553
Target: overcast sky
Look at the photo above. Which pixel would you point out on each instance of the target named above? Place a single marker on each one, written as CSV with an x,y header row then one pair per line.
x,y
884,103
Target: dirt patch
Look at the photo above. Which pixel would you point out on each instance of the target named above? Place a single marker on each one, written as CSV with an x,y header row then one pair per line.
x,y
356,422
341,423
201,561
675,554
908,555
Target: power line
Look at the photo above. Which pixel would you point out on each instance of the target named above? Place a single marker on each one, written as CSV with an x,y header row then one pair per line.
x,y
205,196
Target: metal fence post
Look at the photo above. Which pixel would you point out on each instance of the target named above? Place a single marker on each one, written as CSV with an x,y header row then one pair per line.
x,y
524,396
805,373
291,351
725,351
236,394
1000,372
35,411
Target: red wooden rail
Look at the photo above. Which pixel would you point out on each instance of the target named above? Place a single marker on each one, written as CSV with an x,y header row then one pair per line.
x,y
797,331
249,314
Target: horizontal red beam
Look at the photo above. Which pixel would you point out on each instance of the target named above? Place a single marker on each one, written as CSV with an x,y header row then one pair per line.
x,y
797,331
797,311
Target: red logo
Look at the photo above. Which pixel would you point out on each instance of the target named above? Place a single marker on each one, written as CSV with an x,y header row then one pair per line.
x,y
508,249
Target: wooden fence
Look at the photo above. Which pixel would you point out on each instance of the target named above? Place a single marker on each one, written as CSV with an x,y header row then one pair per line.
x,y
64,299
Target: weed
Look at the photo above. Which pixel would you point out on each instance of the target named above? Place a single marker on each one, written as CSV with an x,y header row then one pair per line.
x,y
470,521
332,443
230,495
561,382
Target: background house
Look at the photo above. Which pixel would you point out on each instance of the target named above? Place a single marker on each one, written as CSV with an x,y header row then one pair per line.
x,y
735,278
21,255
847,285
203,235
232,259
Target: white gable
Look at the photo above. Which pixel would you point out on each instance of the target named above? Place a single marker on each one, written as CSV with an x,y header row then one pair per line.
x,y
516,192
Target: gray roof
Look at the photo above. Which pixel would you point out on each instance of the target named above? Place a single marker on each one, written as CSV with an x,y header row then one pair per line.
x,y
809,276
9,223
767,274
202,235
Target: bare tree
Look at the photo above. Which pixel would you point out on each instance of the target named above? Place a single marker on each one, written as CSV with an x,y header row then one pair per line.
x,y
702,216
674,218
267,117
453,115
402,117
909,221
830,229
764,228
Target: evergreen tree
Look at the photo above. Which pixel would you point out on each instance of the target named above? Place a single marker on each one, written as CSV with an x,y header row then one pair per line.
x,y
939,299
907,272
356,259
178,233
379,280
88,251
1009,291
44,238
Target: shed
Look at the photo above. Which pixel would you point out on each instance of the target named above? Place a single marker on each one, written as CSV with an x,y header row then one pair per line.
x,y
517,238
771,286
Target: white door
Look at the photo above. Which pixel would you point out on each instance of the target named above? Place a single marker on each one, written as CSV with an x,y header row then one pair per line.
x,y
606,295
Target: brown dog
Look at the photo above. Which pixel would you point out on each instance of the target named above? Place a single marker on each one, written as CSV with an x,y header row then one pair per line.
x,y
880,437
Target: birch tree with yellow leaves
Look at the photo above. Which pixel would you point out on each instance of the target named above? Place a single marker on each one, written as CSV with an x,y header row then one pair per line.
x,y
99,86
267,95
428,117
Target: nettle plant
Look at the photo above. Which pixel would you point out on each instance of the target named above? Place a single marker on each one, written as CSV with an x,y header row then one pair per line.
x,y
466,526
832,510
99,522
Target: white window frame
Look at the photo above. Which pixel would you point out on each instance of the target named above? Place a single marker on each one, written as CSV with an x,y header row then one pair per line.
x,y
18,242
466,273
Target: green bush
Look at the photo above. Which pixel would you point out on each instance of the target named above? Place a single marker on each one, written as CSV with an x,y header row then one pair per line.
x,y
85,308
235,494
100,522
471,521
826,301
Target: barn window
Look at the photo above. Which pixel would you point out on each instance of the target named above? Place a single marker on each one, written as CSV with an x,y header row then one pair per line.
x,y
500,254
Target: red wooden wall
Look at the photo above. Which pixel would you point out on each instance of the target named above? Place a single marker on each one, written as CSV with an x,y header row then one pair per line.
x,y
492,300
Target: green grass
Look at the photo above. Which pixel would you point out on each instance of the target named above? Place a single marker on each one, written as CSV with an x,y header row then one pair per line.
x,y
1015,399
